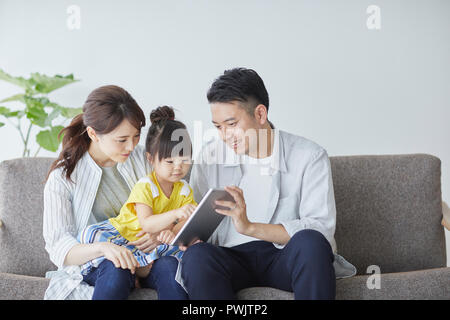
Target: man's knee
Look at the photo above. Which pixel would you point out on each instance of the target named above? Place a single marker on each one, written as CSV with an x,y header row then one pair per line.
x,y
199,260
309,242
196,255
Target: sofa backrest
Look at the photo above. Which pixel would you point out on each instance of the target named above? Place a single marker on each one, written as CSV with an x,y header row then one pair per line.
x,y
388,213
21,210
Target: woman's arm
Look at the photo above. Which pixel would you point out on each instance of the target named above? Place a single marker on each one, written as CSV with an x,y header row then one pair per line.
x,y
59,230
59,227
82,253
119,255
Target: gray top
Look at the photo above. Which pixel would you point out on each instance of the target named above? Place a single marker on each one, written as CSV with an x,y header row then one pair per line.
x,y
112,193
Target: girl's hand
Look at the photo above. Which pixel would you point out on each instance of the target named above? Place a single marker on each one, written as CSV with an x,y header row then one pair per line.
x,y
185,211
195,241
147,243
120,256
166,236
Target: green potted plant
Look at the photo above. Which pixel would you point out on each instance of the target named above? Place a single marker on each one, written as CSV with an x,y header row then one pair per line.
x,y
36,109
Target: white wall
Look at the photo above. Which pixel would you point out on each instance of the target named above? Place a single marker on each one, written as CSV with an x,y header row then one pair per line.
x,y
331,79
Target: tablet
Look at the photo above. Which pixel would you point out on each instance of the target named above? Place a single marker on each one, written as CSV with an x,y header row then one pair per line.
x,y
204,220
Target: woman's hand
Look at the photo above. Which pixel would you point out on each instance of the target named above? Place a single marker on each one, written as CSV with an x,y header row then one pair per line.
x,y
146,243
120,256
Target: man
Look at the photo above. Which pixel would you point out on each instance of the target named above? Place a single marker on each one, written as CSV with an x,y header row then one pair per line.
x,y
279,231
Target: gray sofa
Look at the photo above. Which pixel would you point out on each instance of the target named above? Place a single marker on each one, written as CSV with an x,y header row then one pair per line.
x,y
389,215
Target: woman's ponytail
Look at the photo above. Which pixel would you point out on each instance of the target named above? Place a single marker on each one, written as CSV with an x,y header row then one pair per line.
x,y
75,143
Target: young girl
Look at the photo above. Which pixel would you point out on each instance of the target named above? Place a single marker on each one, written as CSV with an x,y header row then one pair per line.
x,y
159,203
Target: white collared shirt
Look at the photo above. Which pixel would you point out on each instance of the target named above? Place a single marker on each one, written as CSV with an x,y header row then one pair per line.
x,y
67,208
255,184
301,193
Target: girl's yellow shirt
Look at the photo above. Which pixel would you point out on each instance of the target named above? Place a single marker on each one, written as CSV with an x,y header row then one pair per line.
x,y
148,191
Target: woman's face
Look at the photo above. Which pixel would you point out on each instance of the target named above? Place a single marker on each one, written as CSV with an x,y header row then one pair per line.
x,y
117,145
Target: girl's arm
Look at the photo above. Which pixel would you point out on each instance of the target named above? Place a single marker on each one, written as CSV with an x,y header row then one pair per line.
x,y
176,228
155,223
167,235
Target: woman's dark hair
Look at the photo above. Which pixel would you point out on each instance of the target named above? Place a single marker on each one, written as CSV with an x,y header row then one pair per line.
x,y
104,110
163,137
239,84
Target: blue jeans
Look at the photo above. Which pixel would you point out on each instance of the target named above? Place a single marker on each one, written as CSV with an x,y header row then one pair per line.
x,y
113,283
304,266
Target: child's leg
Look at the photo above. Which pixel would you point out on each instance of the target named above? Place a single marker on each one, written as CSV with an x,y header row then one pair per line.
x,y
162,279
98,232
143,272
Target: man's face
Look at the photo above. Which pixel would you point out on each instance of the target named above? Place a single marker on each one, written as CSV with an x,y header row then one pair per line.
x,y
237,128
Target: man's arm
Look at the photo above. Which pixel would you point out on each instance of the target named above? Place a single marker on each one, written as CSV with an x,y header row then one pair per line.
x,y
317,209
275,233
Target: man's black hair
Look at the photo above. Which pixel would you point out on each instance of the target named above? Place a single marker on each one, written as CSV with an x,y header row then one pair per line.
x,y
239,84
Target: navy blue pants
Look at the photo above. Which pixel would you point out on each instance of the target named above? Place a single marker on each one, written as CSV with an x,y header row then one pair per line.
x,y
113,283
304,266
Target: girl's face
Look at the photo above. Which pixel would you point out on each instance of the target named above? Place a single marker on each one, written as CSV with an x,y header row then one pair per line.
x,y
170,169
117,145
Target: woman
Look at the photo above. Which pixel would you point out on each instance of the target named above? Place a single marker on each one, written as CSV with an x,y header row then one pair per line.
x,y
99,163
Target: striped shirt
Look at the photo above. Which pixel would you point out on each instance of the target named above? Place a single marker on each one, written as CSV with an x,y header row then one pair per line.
x,y
67,208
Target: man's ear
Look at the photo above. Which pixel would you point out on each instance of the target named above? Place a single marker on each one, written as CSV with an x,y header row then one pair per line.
x,y
261,114
92,134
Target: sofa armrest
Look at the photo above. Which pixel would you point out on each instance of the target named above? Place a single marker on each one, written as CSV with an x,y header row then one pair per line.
x,y
19,287
413,285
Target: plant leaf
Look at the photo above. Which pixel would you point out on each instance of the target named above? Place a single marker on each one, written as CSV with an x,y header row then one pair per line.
x,y
37,116
10,114
1,124
35,111
71,112
53,115
16,97
18,81
46,84
48,139
66,112
4,111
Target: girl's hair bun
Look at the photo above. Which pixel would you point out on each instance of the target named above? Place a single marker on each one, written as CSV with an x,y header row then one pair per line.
x,y
162,113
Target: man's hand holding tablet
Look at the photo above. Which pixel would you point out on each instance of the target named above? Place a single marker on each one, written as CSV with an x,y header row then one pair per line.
x,y
205,219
